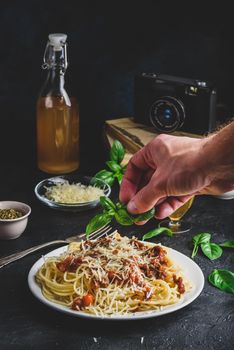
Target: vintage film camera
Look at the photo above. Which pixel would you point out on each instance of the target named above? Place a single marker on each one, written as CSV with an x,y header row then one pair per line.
x,y
172,103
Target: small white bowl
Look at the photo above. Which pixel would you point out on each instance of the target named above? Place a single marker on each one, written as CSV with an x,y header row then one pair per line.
x,y
13,228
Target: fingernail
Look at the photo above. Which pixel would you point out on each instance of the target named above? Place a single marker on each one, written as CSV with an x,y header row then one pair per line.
x,y
132,207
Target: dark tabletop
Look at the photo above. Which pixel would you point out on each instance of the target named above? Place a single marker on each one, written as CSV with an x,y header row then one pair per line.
x,y
206,323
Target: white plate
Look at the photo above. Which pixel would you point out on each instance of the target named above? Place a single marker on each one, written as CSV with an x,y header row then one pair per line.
x,y
190,269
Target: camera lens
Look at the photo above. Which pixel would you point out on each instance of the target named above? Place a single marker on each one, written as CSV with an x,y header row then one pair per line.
x,y
167,114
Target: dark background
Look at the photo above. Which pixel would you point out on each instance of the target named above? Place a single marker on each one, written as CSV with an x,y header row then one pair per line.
x,y
109,42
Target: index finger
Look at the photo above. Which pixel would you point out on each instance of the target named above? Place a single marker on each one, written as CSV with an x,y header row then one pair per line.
x,y
133,176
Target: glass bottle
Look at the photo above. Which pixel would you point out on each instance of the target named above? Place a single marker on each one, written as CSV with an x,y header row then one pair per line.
x,y
57,114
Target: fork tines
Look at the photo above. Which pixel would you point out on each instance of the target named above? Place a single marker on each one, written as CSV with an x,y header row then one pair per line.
x,y
100,232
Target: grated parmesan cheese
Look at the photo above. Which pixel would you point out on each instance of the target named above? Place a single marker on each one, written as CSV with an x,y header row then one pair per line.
x,y
73,193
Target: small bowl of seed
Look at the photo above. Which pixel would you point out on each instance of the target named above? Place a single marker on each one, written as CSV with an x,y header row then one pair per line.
x,y
13,219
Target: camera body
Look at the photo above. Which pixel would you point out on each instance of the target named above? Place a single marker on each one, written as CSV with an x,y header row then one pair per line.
x,y
171,103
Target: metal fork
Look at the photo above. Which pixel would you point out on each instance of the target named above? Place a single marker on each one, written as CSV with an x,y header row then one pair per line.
x,y
16,256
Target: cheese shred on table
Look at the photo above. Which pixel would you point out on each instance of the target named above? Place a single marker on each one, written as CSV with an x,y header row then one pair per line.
x,y
73,193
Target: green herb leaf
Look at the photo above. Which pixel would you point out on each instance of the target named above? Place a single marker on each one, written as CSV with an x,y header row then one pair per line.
x,y
227,244
117,152
144,216
211,250
97,222
106,176
107,203
198,239
119,177
222,279
115,167
156,232
123,217
202,238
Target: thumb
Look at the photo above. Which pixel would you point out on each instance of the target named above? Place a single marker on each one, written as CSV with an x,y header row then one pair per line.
x,y
145,199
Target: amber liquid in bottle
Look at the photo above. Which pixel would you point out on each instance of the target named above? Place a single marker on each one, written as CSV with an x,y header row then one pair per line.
x,y
57,135
57,114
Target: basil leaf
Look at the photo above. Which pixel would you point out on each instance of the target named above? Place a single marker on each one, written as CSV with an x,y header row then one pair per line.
x,y
228,244
117,152
110,212
123,218
222,279
211,250
119,177
106,176
113,165
107,203
197,240
97,222
144,216
156,232
202,238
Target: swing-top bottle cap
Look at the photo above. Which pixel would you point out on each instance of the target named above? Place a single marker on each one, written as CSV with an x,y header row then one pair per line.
x,y
57,40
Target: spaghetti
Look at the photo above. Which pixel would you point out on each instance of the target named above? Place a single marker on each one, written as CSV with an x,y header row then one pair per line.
x,y
112,275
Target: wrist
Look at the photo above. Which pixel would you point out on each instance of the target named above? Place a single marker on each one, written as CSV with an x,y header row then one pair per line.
x,y
200,162
206,159
217,156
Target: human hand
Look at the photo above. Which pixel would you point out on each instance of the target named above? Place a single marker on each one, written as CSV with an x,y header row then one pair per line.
x,y
165,173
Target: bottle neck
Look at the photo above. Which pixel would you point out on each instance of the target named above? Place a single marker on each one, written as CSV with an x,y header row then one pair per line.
x,y
54,85
55,77
55,61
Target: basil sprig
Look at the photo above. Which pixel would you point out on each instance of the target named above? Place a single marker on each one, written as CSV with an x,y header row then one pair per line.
x,y
115,168
116,211
222,279
198,240
211,250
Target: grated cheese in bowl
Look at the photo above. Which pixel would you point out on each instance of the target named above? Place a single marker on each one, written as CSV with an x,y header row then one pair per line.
x,y
73,193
